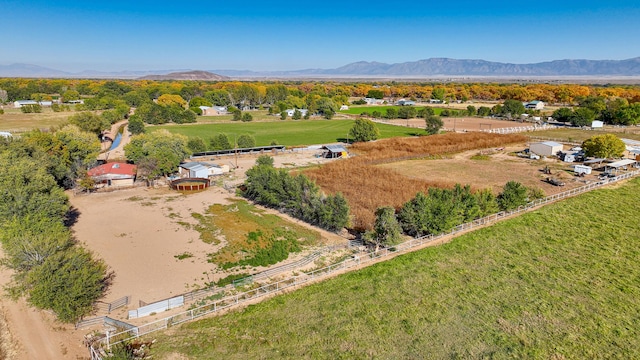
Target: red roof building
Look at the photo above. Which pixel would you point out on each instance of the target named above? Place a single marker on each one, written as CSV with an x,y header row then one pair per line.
x,y
114,174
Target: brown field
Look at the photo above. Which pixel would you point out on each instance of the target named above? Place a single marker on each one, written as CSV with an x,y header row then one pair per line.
x,y
367,186
13,120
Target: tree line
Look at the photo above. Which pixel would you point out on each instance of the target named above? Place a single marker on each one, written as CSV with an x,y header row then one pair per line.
x,y
49,268
440,210
613,111
295,195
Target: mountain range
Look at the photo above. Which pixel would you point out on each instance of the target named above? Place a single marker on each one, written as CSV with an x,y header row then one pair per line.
x,y
433,67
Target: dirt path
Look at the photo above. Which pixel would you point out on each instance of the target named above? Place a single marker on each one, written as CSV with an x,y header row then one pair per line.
x,y
35,334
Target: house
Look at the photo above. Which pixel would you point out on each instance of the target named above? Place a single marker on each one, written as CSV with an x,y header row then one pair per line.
x,y
290,112
534,105
114,174
546,148
372,101
334,151
213,110
21,103
403,102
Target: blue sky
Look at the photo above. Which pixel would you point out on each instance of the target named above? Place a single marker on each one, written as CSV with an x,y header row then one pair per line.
x,y
116,35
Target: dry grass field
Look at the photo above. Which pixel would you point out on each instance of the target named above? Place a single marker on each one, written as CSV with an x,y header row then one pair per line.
x,y
13,120
368,184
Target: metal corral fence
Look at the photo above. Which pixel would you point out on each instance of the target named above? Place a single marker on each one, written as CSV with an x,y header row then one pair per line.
x,y
279,286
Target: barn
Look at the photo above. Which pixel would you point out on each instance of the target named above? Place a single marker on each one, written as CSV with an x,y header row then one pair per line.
x,y
546,148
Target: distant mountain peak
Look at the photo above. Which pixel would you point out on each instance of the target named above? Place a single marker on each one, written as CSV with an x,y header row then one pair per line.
x,y
187,75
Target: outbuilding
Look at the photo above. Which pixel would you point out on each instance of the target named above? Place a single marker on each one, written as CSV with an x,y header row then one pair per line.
x,y
334,151
546,148
114,174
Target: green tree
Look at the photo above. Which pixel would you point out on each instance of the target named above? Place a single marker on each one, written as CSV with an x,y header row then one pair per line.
x,y
264,160
196,144
70,95
364,130
136,125
391,113
67,282
471,110
512,108
89,122
563,114
407,112
199,101
438,94
247,117
283,115
327,107
433,124
513,194
297,115
484,111
582,117
165,148
375,94
220,142
34,108
246,141
29,240
604,146
237,115
386,229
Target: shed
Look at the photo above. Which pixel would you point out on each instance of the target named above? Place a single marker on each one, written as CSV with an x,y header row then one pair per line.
x,y
194,170
597,124
615,166
546,148
334,151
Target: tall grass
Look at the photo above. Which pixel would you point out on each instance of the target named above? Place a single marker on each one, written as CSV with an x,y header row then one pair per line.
x,y
557,283
367,187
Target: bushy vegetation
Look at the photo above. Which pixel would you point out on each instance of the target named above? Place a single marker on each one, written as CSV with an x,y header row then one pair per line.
x,y
252,236
523,288
364,130
605,146
274,248
295,195
49,268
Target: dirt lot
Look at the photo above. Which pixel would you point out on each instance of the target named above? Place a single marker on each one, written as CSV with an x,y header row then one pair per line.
x,y
463,123
497,167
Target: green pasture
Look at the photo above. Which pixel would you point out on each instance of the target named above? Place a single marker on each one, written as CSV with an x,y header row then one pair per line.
x,y
561,282
285,132
357,109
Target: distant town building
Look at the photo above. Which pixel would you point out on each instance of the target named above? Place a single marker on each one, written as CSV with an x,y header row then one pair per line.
x,y
534,105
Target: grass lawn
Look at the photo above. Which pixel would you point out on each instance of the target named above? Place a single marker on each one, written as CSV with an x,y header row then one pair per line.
x,y
557,283
287,132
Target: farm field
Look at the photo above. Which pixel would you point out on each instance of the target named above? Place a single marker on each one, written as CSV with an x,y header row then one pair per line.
x,y
288,132
523,288
15,121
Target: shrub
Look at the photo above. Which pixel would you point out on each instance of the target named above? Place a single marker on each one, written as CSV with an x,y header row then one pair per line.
x,y
513,194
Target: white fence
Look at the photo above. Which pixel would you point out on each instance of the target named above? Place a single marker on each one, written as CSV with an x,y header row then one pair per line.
x,y
356,261
157,307
519,129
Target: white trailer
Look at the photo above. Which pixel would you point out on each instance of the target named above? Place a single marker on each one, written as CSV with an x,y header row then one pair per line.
x,y
582,169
